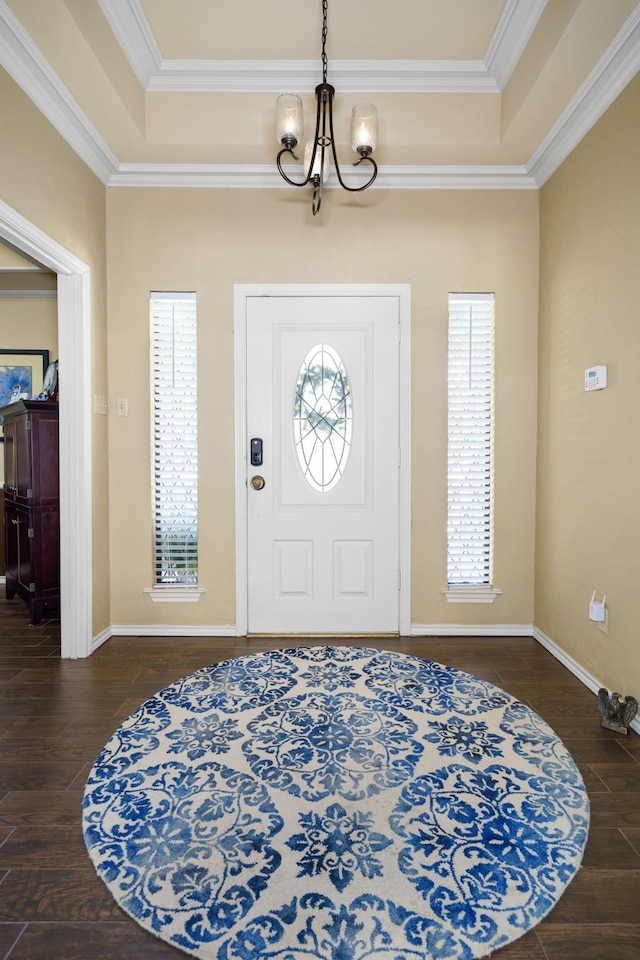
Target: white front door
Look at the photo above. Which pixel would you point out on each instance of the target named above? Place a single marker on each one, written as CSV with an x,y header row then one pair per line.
x,y
322,405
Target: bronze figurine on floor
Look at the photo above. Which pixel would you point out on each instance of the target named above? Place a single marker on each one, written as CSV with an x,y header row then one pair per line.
x,y
617,712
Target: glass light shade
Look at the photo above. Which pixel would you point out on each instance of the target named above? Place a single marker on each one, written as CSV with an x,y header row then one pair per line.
x,y
289,118
364,127
308,150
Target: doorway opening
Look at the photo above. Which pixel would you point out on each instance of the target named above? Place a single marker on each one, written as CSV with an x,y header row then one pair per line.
x,y
76,621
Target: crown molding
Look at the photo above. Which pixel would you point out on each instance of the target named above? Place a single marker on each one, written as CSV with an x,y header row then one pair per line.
x,y
266,176
23,61
351,76
510,38
455,177
615,69
132,31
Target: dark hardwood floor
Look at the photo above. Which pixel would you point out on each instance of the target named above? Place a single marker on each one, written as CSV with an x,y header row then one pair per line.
x,y
55,716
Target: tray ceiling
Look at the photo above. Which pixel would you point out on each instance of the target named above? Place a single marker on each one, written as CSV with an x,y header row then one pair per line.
x,y
470,93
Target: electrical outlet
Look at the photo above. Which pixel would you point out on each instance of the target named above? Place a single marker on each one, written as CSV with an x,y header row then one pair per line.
x,y
597,608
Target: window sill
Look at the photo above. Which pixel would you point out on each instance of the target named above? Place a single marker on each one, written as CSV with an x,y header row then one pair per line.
x,y
171,594
471,594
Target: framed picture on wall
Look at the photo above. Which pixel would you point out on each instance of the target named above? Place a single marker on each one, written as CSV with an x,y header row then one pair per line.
x,y
21,375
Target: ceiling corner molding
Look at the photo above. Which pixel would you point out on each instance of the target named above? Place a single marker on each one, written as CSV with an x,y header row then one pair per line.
x,y
199,175
410,76
517,22
23,61
264,176
234,76
615,69
352,76
132,31
455,177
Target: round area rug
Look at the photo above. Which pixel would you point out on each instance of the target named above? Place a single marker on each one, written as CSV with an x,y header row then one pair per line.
x,y
335,803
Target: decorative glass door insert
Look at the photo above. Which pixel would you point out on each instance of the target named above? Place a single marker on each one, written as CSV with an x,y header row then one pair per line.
x,y
322,418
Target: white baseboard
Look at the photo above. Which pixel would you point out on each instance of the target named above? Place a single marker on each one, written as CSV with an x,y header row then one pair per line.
x,y
100,638
471,630
416,630
169,630
574,667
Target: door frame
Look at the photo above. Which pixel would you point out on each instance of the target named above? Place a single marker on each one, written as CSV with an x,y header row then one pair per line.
x,y
242,293
74,354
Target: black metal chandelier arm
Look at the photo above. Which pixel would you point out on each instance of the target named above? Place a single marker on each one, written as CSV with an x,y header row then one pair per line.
x,y
292,183
357,163
317,195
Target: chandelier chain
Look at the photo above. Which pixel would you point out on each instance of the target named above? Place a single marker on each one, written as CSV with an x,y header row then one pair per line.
x,y
325,7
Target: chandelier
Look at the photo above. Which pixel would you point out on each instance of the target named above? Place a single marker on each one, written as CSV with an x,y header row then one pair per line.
x,y
289,127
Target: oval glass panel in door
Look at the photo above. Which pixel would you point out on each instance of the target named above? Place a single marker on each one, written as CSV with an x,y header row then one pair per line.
x,y
322,418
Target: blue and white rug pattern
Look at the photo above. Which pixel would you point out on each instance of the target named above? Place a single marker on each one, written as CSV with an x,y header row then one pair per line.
x,y
335,803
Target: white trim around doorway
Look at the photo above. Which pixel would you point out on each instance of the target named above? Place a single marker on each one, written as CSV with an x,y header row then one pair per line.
x,y
241,294
74,354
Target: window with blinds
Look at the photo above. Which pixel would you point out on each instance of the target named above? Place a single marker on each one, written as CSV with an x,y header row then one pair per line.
x,y
175,438
470,436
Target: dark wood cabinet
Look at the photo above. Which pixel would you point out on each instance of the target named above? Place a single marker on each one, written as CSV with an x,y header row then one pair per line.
x,y
32,505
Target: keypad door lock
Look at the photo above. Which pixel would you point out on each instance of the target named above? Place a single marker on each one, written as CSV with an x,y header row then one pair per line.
x,y
256,451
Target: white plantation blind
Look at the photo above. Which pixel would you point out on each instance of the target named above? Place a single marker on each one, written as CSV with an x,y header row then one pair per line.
x,y
470,449
175,437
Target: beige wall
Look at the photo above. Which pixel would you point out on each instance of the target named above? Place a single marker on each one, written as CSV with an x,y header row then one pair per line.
x,y
436,241
46,182
29,323
588,523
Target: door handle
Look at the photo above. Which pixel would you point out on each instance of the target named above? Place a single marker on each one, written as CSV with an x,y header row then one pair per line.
x,y
257,482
